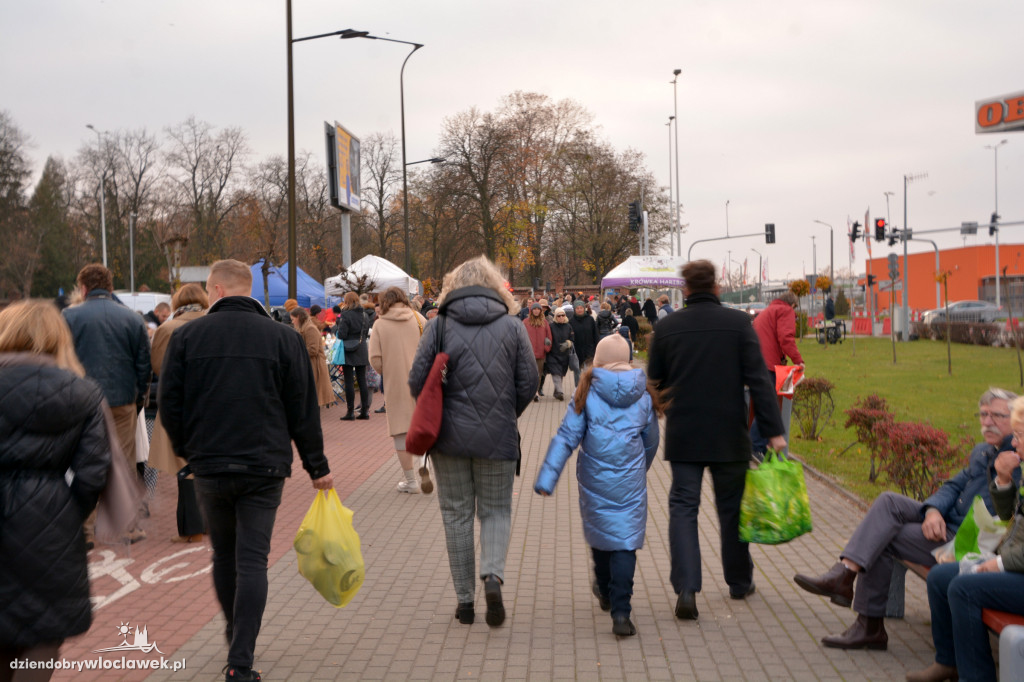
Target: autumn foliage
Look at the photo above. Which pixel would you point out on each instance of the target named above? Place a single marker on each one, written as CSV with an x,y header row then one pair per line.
x,y
800,287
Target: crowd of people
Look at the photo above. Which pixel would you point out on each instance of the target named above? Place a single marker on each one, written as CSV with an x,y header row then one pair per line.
x,y
237,390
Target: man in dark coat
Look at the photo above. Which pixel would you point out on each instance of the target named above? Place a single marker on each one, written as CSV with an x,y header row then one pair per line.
x,y
584,330
112,343
235,391
701,357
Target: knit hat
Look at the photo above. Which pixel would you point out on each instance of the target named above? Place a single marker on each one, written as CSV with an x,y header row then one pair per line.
x,y
535,306
579,303
611,351
291,304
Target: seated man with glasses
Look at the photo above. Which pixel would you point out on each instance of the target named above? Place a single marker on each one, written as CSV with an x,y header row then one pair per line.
x,y
897,527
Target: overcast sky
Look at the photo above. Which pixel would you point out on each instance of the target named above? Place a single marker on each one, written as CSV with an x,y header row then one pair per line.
x,y
792,111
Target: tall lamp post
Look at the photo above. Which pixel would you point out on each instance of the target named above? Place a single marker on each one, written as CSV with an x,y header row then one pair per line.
x,y
401,95
907,179
995,213
675,218
831,250
675,97
760,272
103,199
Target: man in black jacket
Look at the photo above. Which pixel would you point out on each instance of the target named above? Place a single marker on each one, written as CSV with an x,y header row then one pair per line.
x,y
235,391
702,356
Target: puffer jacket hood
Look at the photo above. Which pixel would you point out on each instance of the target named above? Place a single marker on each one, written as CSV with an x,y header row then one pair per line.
x,y
618,436
491,378
52,422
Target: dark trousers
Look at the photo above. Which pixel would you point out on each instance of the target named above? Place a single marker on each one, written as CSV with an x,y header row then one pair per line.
x,y
614,572
350,391
240,512
890,530
728,479
190,519
961,638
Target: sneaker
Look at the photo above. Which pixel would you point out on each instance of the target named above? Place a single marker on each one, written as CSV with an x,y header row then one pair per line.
x,y
234,673
426,485
405,486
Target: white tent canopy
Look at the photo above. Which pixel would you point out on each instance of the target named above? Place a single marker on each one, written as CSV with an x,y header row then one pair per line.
x,y
379,273
650,272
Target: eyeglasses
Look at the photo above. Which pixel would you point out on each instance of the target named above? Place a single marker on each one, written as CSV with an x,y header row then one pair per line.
x,y
994,415
1018,436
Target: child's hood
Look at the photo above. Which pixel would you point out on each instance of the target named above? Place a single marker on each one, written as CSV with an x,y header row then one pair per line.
x,y
619,389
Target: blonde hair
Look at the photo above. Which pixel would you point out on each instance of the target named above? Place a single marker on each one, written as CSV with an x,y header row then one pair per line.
x,y
35,326
1017,414
479,272
233,275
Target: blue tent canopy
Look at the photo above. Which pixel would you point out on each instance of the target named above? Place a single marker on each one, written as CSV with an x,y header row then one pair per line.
x,y
308,291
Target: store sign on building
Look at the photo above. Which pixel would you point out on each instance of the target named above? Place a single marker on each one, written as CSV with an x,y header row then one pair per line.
x,y
999,114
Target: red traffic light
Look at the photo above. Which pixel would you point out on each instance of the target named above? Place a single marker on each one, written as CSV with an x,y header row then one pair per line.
x,y
879,229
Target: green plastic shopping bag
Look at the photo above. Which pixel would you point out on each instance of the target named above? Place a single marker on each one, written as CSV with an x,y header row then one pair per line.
x,y
775,507
980,532
327,546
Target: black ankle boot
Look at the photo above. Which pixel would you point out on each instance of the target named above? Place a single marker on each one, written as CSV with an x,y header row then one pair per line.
x,y
349,416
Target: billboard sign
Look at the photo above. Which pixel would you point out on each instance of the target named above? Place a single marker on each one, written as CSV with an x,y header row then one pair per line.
x,y
999,114
343,164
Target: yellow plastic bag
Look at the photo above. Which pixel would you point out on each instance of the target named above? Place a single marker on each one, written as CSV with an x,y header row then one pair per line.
x,y
327,546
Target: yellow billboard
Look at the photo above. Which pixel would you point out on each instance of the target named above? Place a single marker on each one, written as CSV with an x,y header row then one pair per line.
x,y
343,164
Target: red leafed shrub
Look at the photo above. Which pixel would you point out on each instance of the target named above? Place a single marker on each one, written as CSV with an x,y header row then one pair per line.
x,y
919,457
865,413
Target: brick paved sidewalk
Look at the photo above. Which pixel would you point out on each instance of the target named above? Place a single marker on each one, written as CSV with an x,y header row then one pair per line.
x,y
401,625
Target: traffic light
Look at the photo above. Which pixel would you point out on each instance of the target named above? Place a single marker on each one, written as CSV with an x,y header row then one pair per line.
x,y
536,283
892,239
894,266
855,232
880,230
992,225
769,233
871,280
634,216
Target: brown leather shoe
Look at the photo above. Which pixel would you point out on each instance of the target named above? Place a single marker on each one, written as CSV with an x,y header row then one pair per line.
x,y
837,584
936,672
865,633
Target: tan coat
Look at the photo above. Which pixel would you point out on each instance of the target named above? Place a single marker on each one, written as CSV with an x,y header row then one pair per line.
x,y
318,358
161,454
396,334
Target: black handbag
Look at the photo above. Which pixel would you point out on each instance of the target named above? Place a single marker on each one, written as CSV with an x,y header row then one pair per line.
x,y
353,344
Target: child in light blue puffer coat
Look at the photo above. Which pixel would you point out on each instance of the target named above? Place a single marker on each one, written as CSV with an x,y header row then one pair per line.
x,y
614,418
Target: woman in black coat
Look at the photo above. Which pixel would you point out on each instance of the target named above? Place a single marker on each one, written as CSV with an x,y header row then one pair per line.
x,y
53,422
650,311
352,328
562,341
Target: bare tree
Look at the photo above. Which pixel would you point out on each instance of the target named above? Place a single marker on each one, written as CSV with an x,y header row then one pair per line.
x,y
382,178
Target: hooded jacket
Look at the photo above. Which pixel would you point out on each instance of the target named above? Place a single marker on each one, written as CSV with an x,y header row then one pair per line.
x,y
557,361
584,331
776,331
492,374
236,389
52,423
618,435
606,324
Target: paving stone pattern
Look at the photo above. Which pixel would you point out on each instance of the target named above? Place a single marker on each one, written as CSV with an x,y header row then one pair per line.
x,y
401,625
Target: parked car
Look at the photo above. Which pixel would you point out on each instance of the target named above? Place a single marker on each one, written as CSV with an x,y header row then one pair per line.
x,y
963,311
756,307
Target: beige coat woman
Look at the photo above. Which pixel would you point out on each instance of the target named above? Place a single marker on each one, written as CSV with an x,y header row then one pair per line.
x,y
392,347
318,357
161,455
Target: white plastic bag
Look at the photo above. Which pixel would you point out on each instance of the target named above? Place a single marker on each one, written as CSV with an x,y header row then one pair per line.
x,y
141,439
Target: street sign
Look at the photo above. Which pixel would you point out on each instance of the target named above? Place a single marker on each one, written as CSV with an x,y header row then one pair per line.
x,y
891,285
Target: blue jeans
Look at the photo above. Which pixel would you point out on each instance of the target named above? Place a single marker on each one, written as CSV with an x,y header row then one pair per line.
x,y
614,572
240,512
956,602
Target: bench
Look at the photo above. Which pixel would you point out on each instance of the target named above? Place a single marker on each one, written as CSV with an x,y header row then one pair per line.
x,y
994,620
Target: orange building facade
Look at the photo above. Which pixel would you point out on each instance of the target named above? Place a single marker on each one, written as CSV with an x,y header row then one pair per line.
x,y
972,276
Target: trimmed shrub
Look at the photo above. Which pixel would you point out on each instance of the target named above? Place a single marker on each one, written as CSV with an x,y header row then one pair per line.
x,y
813,406
862,417
919,457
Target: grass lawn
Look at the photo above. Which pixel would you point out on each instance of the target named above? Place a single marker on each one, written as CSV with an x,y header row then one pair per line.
x,y
917,388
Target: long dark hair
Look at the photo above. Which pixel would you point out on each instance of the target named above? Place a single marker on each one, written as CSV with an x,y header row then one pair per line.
x,y
658,401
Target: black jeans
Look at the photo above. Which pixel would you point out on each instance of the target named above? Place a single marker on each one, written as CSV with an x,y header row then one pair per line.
x,y
728,479
350,391
614,572
240,512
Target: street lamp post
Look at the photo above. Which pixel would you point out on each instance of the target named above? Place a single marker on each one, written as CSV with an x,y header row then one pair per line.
x,y
760,273
831,250
907,179
401,96
103,191
995,214
672,251
675,97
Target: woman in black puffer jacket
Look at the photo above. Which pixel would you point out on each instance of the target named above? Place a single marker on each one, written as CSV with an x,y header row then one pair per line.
x,y
52,423
492,377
